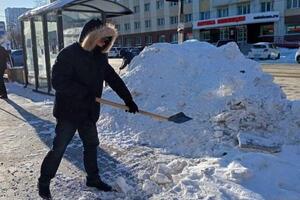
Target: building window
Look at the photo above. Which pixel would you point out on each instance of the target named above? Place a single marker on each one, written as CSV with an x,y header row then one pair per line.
x,y
204,35
224,34
118,27
267,30
222,12
173,4
293,29
137,25
204,15
128,42
188,18
160,4
162,38
160,21
173,19
127,26
266,6
174,38
243,8
147,23
147,7
148,39
136,9
138,41
293,4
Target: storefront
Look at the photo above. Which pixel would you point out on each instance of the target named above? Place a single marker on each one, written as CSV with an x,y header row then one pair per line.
x,y
48,29
292,28
249,28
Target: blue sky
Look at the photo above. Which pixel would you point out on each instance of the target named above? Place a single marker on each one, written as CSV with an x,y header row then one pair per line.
x,y
14,3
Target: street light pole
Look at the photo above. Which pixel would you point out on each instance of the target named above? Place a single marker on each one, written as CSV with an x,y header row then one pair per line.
x,y
180,26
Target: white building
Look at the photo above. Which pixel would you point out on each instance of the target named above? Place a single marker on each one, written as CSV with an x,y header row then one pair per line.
x,y
2,29
3,36
245,21
12,22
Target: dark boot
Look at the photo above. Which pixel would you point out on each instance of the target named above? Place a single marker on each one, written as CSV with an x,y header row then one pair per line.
x,y
44,190
4,96
99,184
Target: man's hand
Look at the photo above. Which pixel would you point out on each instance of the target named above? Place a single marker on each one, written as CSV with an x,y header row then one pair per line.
x,y
133,108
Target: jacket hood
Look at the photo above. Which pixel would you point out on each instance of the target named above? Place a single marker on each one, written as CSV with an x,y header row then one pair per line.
x,y
108,30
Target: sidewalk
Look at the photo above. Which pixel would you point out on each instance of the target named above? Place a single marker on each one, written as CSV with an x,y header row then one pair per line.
x,y
26,133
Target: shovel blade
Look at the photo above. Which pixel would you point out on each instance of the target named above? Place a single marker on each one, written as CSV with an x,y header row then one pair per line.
x,y
179,118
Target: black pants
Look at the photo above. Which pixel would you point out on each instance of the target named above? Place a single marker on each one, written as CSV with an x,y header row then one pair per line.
x,y
3,91
65,131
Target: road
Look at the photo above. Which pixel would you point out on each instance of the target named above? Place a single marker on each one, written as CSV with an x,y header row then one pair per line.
x,y
286,75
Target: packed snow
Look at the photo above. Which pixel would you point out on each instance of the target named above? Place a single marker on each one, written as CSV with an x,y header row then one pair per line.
x,y
243,141
229,98
225,94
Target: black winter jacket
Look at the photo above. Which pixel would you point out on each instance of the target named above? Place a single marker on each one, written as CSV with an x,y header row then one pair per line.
x,y
77,77
3,59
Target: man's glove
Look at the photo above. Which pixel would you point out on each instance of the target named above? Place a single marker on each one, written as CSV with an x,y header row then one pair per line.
x,y
133,108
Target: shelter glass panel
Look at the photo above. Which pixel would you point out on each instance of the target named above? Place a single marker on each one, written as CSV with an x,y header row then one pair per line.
x,y
40,48
29,54
73,23
52,37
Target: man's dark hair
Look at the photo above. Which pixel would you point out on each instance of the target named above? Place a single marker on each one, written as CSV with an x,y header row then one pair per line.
x,y
89,27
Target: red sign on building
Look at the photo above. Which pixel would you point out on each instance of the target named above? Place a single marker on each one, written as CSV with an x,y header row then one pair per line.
x,y
231,20
205,23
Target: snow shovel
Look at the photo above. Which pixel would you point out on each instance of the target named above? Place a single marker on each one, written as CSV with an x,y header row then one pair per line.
x,y
177,118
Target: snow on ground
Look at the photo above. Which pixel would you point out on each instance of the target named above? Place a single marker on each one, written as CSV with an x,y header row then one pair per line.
x,y
228,97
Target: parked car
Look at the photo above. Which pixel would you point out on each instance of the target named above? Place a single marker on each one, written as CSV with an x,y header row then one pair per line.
x,y
17,57
223,42
113,53
123,49
297,56
135,51
264,50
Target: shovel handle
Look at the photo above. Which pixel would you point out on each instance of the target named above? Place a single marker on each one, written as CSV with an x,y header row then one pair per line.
x,y
118,105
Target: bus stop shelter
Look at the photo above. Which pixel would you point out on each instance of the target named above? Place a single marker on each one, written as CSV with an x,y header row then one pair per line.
x,y
48,29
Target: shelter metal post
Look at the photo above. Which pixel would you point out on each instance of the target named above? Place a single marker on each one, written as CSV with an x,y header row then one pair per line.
x,y
34,53
24,53
103,17
60,30
47,52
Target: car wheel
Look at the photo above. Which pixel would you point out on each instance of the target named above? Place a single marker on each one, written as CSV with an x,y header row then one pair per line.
x,y
269,57
278,56
298,59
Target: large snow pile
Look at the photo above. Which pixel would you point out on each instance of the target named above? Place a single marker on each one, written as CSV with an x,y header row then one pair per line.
x,y
225,94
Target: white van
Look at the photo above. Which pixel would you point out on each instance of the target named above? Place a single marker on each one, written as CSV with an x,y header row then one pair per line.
x,y
297,56
264,50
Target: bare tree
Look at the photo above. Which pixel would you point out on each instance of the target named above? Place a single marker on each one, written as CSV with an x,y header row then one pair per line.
x,y
15,38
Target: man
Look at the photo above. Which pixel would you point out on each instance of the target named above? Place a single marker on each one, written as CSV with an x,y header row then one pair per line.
x,y
77,77
127,57
3,61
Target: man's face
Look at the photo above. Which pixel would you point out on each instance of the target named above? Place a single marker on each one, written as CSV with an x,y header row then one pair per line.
x,y
100,42
103,41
